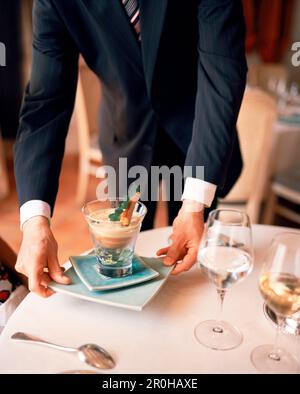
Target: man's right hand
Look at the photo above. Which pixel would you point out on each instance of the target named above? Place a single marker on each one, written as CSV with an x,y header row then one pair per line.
x,y
39,251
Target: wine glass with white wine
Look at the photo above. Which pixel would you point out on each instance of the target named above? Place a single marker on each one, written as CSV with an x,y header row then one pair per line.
x,y
226,256
279,284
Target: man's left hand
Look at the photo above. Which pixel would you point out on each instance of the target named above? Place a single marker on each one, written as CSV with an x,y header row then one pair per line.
x,y
187,233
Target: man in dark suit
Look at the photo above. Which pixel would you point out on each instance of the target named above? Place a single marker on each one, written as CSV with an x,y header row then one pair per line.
x,y
173,75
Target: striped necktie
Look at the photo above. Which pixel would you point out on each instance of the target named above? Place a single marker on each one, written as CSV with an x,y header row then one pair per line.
x,y
133,12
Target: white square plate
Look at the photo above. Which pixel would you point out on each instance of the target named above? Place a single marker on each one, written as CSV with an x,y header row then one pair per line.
x,y
135,297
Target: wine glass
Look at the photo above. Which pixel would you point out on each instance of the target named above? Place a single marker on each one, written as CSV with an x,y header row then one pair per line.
x,y
226,256
279,284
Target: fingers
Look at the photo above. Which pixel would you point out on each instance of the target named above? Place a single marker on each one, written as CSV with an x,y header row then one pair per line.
x,y
56,272
171,255
45,280
36,283
187,262
37,257
174,253
162,251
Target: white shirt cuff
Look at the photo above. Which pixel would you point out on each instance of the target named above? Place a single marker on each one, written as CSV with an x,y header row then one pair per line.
x,y
34,208
198,190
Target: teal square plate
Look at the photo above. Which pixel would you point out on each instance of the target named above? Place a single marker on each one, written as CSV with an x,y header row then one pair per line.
x,y
87,268
134,297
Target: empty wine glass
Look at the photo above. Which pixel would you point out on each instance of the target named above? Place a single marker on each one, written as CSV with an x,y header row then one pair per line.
x,y
279,284
226,256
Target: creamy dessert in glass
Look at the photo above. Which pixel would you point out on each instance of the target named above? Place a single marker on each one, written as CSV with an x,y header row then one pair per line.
x,y
114,240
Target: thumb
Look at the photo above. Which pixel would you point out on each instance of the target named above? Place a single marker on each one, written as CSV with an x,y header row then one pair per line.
x,y
173,255
55,271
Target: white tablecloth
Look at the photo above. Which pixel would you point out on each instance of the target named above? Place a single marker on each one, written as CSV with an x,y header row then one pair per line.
x,y
160,339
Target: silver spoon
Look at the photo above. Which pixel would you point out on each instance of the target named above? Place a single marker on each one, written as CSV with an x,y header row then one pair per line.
x,y
93,355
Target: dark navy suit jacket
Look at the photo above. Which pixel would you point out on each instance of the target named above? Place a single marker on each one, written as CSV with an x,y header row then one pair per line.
x,y
186,77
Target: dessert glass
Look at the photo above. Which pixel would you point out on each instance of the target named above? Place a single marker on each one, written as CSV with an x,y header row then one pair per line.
x,y
114,243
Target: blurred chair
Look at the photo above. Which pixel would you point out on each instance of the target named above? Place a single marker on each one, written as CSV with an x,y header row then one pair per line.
x,y
4,184
271,77
86,112
287,187
255,125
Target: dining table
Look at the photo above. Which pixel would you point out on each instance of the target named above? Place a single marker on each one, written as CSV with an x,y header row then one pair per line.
x,y
158,339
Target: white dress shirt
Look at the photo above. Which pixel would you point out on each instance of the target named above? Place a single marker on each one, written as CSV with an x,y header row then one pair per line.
x,y
194,189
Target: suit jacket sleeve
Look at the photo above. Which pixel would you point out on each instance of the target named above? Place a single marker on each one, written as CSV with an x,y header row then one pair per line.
x,y
222,72
47,107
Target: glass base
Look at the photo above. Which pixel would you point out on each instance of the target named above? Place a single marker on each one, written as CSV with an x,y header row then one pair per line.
x,y
218,335
266,360
114,263
115,272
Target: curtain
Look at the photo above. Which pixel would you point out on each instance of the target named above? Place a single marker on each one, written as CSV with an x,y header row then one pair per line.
x,y
268,26
249,13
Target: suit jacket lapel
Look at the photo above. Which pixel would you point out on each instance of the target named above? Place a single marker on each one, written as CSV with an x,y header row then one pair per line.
x,y
114,20
152,15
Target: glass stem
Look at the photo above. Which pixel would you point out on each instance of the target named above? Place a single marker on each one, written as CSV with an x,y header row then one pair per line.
x,y
274,355
218,329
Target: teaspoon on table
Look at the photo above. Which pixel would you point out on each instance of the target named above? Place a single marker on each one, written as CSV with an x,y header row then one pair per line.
x,y
92,354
